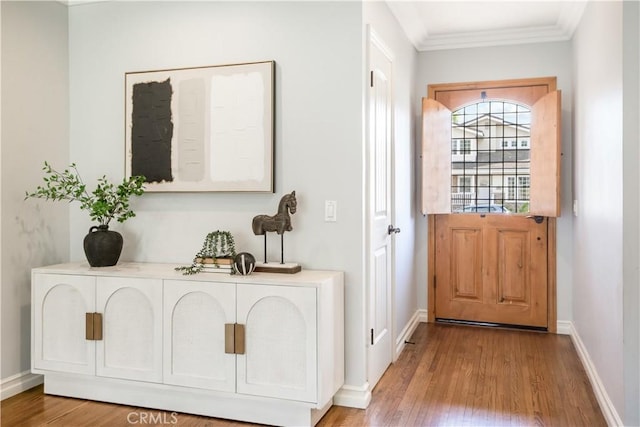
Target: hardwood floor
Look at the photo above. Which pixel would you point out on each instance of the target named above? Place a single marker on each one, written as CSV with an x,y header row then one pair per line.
x,y
471,376
451,376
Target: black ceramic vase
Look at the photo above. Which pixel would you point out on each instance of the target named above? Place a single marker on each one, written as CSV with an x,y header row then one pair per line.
x,y
102,246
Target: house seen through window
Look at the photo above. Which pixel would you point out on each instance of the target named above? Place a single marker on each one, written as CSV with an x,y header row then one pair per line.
x,y
490,157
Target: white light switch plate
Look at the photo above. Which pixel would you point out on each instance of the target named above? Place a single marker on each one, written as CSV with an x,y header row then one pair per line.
x,y
330,210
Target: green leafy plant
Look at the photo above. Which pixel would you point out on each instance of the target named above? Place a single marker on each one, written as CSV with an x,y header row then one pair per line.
x,y
106,202
217,244
524,208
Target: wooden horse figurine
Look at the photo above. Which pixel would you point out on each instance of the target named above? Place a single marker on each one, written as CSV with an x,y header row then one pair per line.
x,y
280,222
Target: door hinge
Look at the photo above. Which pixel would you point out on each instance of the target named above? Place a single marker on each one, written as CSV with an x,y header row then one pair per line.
x,y
93,326
371,79
233,338
371,336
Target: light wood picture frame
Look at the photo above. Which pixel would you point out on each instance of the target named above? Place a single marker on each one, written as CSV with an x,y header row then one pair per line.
x,y
202,128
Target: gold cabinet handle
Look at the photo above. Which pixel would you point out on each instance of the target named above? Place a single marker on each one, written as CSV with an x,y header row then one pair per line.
x,y
233,338
229,338
239,334
97,326
88,326
93,326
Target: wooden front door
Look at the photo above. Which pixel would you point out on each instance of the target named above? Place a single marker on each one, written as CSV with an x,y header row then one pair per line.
x,y
491,269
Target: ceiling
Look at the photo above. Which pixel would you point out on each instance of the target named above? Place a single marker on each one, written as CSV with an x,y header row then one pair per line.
x,y
451,24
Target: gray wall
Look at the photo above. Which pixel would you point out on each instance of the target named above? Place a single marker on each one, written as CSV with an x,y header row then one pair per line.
x,y
631,209
317,47
510,62
607,229
598,181
84,52
35,127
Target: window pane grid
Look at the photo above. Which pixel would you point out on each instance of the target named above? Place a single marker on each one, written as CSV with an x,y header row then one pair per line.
x,y
490,157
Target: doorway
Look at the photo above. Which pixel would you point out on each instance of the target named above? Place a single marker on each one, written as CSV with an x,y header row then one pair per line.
x,y
491,193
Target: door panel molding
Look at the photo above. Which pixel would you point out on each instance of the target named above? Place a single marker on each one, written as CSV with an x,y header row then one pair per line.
x,y
466,277
513,267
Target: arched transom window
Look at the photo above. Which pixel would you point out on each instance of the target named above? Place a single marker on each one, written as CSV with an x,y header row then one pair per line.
x,y
490,157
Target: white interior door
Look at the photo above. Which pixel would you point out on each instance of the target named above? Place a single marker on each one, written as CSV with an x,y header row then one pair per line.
x,y
380,353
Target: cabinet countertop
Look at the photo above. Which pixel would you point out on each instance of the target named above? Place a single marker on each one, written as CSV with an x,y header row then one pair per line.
x,y
167,271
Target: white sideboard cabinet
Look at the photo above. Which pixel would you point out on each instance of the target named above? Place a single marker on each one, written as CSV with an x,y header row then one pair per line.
x,y
266,348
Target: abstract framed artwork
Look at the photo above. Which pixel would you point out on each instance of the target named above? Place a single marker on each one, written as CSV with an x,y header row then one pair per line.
x,y
201,129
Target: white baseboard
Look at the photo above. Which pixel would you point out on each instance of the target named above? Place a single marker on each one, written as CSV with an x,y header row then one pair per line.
x,y
608,410
18,383
353,396
564,327
360,396
408,330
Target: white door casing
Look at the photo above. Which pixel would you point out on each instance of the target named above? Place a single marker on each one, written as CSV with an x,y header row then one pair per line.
x,y
380,210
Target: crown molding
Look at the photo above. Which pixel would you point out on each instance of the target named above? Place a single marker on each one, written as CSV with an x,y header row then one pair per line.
x,y
493,38
570,16
410,18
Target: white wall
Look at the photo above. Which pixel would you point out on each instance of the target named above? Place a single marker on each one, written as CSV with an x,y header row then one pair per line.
x,y
598,182
631,210
35,122
379,17
509,62
317,49
1,334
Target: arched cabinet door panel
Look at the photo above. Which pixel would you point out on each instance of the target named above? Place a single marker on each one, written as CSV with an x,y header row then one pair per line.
x,y
280,358
60,303
195,314
131,347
